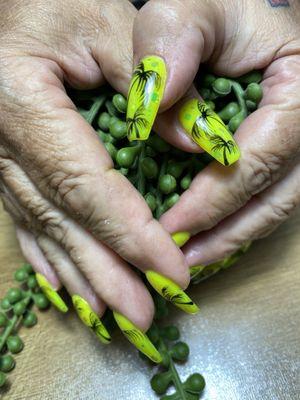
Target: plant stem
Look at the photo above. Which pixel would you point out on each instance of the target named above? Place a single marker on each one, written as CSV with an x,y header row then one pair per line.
x,y
239,92
159,208
175,377
12,324
92,112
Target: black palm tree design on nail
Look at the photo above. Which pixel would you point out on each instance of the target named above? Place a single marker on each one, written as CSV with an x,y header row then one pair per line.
x,y
203,123
136,123
221,144
96,326
134,336
178,298
141,77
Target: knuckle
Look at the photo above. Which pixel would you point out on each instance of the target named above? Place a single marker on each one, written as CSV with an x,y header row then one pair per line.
x,y
262,171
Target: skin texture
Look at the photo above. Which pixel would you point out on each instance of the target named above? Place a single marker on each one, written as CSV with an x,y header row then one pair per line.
x,y
225,207
57,179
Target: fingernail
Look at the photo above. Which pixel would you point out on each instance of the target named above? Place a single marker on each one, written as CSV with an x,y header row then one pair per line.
x,y
171,292
137,338
145,94
207,129
180,238
50,293
90,318
195,270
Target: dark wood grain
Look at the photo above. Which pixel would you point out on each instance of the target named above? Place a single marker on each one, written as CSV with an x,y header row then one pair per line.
x,y
246,340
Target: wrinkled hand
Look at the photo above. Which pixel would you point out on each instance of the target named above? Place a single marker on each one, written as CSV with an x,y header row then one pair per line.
x,y
78,218
227,206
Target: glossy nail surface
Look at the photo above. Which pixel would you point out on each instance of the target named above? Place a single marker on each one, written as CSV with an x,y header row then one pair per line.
x,y
180,238
171,292
207,129
137,338
145,93
51,294
90,318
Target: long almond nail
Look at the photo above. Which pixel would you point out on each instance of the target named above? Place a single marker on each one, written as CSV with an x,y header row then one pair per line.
x,y
51,294
180,238
137,338
171,292
207,129
144,96
90,319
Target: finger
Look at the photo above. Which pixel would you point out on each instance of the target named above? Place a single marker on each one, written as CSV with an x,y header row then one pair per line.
x,y
167,52
269,140
35,257
86,188
87,304
258,218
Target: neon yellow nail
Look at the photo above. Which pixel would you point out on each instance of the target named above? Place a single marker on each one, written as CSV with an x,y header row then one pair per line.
x,y
137,338
180,238
145,94
51,294
171,292
207,129
90,319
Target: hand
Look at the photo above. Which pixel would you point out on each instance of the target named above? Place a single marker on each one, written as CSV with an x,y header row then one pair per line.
x,y
78,218
227,206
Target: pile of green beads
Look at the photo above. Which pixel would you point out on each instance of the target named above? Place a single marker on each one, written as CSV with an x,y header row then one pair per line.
x,y
15,311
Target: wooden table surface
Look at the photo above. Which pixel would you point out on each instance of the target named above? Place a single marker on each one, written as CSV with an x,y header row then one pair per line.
x,y
246,340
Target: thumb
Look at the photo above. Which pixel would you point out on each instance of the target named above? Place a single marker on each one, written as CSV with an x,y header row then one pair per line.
x,y
170,38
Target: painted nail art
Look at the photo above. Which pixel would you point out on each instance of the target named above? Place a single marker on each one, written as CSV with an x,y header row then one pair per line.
x,y
180,238
51,294
195,270
144,96
137,338
90,318
207,129
171,292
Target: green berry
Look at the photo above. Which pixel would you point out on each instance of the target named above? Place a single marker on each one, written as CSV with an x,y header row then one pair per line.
x,y
167,184
208,80
120,103
149,167
222,86
229,111
28,268
153,334
14,295
180,351
254,92
7,363
211,104
118,129
195,383
103,121
5,304
112,151
151,201
176,168
186,182
251,105
2,379
235,122
3,319
171,332
30,319
160,382
14,344
41,301
32,282
205,93
126,156
170,201
158,144
21,275
19,308
150,152
251,77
